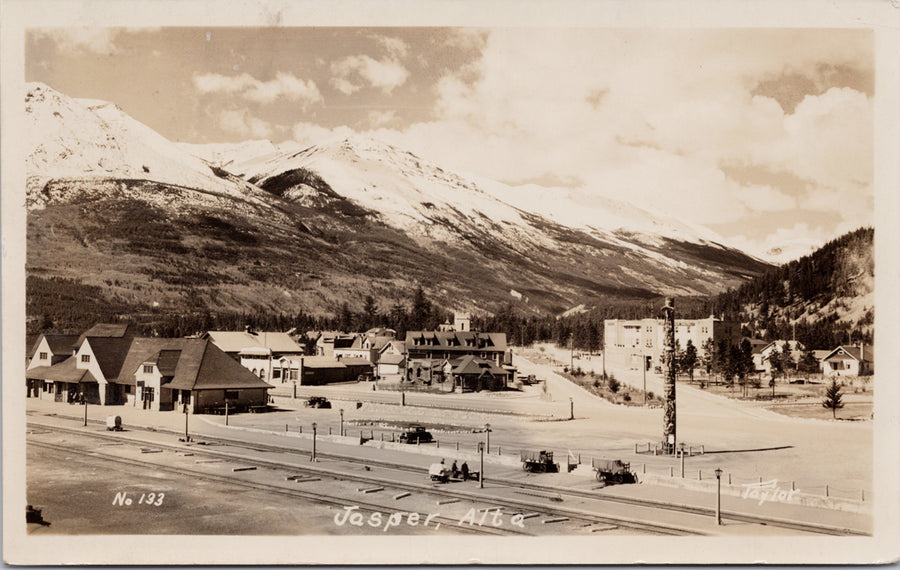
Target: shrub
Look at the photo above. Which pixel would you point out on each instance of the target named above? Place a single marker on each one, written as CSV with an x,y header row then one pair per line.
x,y
613,384
627,397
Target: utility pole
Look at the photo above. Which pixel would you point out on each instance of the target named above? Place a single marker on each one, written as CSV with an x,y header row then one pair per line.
x,y
644,369
571,352
481,473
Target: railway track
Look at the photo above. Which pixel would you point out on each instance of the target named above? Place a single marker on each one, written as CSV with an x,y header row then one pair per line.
x,y
527,508
543,489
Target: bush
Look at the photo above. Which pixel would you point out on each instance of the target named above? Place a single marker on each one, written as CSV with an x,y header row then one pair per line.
x,y
627,397
650,395
613,384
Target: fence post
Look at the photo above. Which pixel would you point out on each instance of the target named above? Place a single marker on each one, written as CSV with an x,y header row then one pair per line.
x,y
862,495
644,468
438,442
457,446
760,480
635,448
690,451
702,450
579,459
301,428
499,450
729,479
793,487
671,473
382,436
826,490
285,428
699,475
329,430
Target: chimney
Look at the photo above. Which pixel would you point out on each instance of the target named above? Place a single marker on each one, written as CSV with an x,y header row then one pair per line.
x,y
862,352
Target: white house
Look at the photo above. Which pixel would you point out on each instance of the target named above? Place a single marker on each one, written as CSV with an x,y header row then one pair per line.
x,y
849,361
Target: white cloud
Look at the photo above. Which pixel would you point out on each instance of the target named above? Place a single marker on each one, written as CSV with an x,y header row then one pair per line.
x,y
74,41
284,85
355,72
675,106
381,118
242,123
396,47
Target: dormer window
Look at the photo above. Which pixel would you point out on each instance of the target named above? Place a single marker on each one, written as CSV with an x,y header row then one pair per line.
x,y
85,357
148,369
42,356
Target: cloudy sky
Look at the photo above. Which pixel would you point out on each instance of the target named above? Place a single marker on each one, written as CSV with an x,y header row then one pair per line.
x,y
762,135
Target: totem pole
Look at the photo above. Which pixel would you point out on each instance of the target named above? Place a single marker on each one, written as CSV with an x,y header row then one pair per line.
x,y
669,362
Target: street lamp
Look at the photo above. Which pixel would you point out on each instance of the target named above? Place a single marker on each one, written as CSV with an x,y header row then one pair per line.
x,y
313,458
681,445
487,431
571,409
481,473
186,436
718,496
84,401
342,422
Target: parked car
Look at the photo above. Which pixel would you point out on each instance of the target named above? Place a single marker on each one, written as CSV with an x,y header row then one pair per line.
x,y
318,402
416,434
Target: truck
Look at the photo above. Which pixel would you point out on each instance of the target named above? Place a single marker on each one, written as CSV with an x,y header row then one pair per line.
x,y
538,462
611,471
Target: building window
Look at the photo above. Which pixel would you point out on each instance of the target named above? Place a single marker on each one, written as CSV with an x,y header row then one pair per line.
x,y
85,357
231,394
148,369
43,356
276,373
649,343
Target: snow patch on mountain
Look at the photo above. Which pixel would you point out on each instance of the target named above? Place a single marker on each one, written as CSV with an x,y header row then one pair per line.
x,y
84,139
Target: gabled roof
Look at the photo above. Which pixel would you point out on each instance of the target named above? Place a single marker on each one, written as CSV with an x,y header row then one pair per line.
x,y
167,360
204,366
470,364
868,354
235,341
392,359
396,344
65,371
110,353
148,350
60,343
106,330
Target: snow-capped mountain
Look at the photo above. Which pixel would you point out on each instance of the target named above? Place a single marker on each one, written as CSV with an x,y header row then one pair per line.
x,y
83,139
282,227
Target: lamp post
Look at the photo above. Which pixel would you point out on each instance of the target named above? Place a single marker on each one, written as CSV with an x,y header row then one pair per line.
x,y
186,436
313,458
681,445
481,473
342,422
84,401
487,431
718,496
571,409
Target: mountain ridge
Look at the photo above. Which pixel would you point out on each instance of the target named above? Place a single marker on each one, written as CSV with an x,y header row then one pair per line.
x,y
315,227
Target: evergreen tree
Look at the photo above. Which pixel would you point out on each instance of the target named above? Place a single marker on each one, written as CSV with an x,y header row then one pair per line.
x,y
832,399
689,359
370,312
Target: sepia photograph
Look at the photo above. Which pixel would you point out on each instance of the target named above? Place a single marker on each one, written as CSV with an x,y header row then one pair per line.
x,y
286,278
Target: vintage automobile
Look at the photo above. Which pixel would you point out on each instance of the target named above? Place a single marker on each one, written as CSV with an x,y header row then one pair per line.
x,y
317,402
610,471
538,462
416,434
